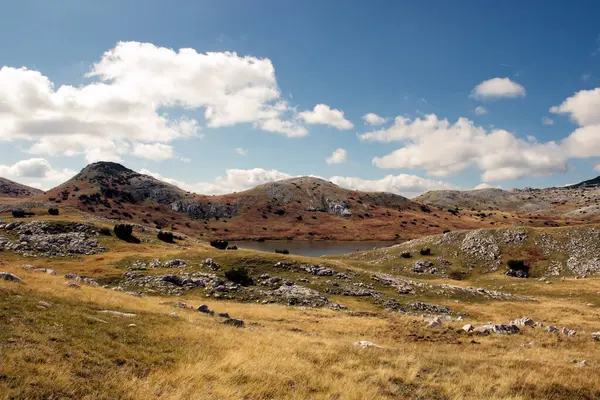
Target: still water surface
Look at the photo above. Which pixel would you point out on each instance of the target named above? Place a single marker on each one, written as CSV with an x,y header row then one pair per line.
x,y
315,248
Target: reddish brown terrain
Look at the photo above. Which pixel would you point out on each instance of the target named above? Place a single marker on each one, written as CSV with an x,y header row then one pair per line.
x,y
14,190
310,208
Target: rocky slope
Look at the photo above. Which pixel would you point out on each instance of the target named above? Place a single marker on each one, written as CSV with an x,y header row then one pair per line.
x,y
565,251
299,208
576,201
12,189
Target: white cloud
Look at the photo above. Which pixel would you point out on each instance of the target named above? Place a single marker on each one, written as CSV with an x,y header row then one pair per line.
x,y
185,160
337,157
127,103
241,152
403,184
498,88
36,172
153,151
480,110
487,186
324,115
373,119
236,180
583,107
442,149
547,121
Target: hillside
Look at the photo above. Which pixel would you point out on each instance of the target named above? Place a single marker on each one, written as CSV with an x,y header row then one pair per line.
x,y
297,208
10,189
575,201
86,315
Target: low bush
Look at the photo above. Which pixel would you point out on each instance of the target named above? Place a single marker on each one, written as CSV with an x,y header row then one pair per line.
x,y
458,275
239,276
123,231
165,236
219,244
518,268
425,252
21,214
405,254
53,211
105,231
282,251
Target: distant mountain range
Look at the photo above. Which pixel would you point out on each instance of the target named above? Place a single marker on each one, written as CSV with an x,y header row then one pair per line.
x,y
308,207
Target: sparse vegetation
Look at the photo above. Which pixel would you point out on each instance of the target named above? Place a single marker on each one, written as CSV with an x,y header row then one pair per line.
x,y
165,236
405,254
425,251
282,251
239,276
219,244
53,211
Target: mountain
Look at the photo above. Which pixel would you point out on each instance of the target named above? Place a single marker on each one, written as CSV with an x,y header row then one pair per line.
x,y
12,189
595,182
298,208
581,201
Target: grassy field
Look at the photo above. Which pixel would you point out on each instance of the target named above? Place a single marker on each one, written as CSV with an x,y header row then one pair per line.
x,y
72,350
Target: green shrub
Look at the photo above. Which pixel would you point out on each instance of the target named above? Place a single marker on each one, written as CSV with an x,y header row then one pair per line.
x,y
123,231
105,231
405,254
239,276
53,211
165,236
18,214
425,252
219,244
282,251
458,275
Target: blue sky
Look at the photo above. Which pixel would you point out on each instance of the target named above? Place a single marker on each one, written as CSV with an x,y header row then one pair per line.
x,y
421,61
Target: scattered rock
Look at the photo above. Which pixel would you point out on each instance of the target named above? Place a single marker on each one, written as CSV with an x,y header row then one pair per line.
x,y
73,285
364,344
596,336
525,321
44,304
204,309
437,321
131,325
118,313
568,332
467,328
238,323
173,314
7,276
211,264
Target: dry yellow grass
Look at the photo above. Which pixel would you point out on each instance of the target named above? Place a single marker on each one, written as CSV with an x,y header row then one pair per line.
x,y
283,352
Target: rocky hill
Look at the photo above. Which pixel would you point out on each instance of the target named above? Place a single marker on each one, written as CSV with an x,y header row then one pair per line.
x,y
12,189
575,201
564,251
297,208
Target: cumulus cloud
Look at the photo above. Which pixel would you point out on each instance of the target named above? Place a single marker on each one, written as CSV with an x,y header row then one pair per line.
x,y
498,88
403,184
443,148
236,180
153,151
584,109
241,151
324,115
547,121
487,186
37,172
373,119
480,110
337,157
126,103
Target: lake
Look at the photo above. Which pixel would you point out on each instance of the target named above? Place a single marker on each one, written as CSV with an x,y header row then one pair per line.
x,y
314,248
